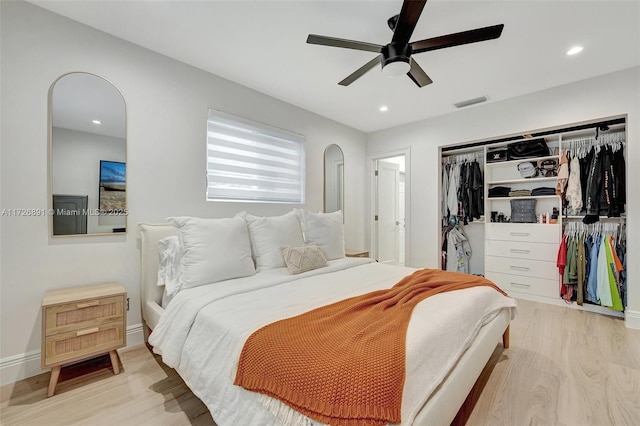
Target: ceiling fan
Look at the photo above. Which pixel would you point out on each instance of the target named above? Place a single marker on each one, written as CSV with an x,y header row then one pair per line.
x,y
395,57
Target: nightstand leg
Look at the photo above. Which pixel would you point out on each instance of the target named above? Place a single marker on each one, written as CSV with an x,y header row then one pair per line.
x,y
114,362
55,374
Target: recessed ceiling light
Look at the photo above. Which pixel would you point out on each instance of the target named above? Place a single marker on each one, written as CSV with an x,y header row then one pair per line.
x,y
96,121
384,108
574,50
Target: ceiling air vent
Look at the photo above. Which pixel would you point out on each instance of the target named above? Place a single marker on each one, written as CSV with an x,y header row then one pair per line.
x,y
471,102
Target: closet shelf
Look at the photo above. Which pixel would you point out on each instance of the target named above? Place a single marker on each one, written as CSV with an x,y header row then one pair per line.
x,y
600,217
516,162
524,180
525,198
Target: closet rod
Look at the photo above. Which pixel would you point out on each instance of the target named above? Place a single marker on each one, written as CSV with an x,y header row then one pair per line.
x,y
538,134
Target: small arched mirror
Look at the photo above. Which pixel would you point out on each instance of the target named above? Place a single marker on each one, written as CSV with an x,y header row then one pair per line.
x,y
333,179
87,156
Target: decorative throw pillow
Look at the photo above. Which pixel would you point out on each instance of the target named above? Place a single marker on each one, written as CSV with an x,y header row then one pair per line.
x,y
213,250
326,230
303,258
170,253
268,234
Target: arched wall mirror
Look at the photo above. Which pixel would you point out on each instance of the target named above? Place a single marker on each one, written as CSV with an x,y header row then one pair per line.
x,y
87,156
333,179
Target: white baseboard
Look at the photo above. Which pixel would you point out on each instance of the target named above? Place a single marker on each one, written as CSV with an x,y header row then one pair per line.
x,y
21,366
18,367
632,319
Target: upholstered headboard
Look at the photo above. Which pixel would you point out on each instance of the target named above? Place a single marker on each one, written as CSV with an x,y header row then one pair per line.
x,y
150,293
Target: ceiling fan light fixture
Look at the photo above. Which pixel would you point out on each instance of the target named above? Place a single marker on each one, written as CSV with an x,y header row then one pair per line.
x,y
395,59
396,68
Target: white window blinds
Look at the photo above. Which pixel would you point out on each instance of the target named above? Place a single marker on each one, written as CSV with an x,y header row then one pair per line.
x,y
249,161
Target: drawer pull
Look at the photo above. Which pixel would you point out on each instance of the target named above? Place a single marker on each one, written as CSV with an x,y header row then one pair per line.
x,y
519,268
519,251
521,285
88,304
520,234
87,331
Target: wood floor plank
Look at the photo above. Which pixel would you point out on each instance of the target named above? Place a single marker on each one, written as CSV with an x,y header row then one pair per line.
x,y
563,367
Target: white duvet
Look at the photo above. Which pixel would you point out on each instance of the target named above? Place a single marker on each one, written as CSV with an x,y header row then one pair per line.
x,y
203,330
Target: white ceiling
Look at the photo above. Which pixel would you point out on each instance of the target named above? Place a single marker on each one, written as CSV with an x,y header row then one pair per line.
x,y
262,45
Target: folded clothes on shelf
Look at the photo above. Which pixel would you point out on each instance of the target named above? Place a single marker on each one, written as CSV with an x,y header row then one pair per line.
x,y
499,191
520,193
543,191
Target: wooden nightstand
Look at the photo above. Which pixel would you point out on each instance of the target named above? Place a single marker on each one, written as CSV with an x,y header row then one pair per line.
x,y
80,323
354,253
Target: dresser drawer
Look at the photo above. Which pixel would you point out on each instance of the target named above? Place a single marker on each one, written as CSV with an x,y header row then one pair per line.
x,y
522,267
529,285
67,347
522,250
527,232
83,314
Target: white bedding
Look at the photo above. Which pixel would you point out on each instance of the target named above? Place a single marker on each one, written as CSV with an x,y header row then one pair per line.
x,y
202,332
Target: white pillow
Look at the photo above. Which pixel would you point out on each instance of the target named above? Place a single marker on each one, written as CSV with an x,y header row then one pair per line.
x,y
170,252
326,230
213,250
268,234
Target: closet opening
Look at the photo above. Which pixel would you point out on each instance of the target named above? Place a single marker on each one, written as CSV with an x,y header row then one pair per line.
x,y
553,227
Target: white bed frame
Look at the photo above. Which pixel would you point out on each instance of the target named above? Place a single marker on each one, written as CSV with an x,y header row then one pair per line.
x,y
443,405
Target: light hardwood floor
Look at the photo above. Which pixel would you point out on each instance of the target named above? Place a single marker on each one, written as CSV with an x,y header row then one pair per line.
x,y
564,367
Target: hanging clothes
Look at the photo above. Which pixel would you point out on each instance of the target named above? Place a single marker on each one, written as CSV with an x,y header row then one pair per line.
x,y
590,266
445,191
574,188
592,281
563,174
458,251
582,267
462,189
452,197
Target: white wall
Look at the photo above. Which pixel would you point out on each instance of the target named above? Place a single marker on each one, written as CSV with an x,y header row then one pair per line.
x,y
76,170
167,105
604,96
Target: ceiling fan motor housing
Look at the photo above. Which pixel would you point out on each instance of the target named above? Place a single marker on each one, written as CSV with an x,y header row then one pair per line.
x,y
396,56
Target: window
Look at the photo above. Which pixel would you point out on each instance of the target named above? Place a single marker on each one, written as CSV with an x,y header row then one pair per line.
x,y
249,161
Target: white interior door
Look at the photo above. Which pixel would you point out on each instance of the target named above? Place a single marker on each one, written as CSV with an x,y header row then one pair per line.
x,y
387,212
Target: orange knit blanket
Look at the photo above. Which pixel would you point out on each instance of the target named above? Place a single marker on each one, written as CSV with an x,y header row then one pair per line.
x,y
344,364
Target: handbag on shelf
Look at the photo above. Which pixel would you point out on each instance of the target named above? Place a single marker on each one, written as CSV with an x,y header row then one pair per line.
x,y
528,149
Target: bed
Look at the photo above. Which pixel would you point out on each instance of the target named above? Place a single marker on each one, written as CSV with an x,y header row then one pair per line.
x,y
201,332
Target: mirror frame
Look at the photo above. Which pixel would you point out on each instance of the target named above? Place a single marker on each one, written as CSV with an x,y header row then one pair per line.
x,y
324,174
50,159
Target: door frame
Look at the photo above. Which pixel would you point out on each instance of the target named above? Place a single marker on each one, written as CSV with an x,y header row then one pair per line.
x,y
371,160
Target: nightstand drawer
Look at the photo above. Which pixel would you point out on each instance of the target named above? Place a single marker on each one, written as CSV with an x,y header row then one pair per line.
x,y
67,347
356,253
83,314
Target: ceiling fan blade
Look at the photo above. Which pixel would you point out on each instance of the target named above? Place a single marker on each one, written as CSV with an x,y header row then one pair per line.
x,y
417,74
407,20
360,71
347,44
457,39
